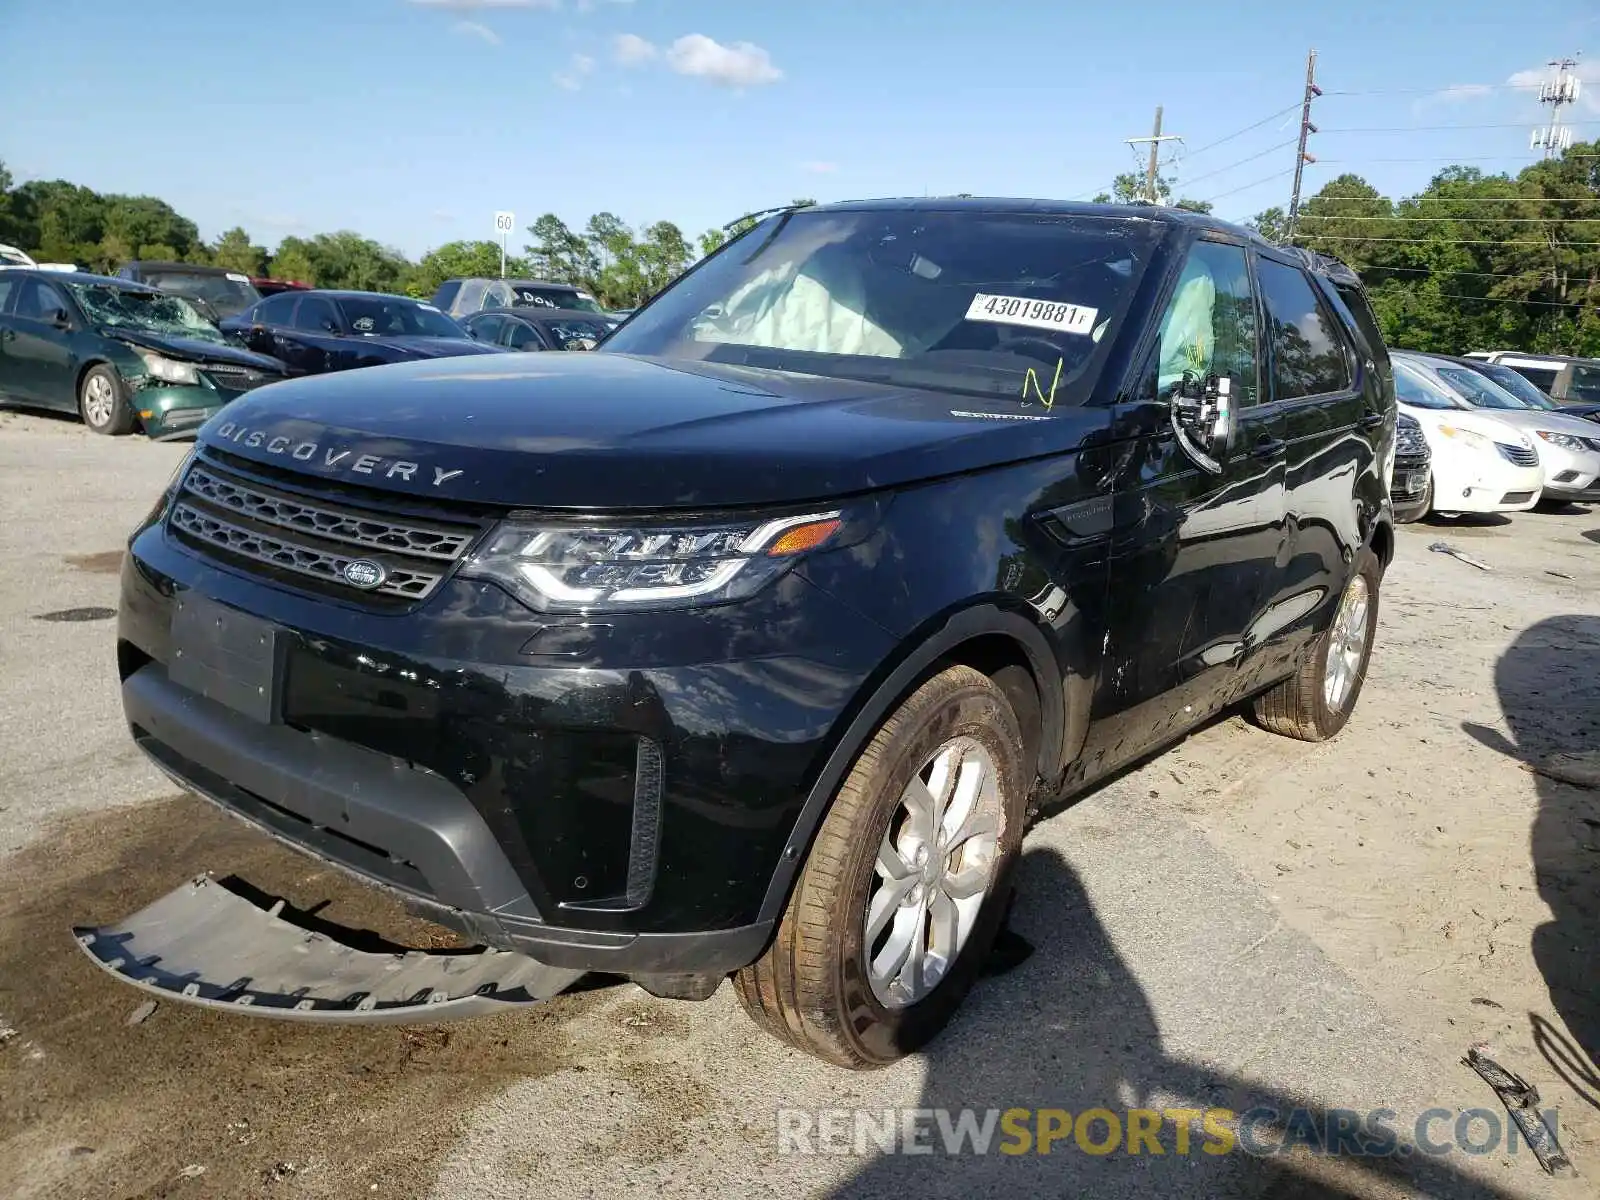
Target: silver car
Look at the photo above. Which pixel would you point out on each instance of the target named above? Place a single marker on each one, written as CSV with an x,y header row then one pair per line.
x,y
1568,447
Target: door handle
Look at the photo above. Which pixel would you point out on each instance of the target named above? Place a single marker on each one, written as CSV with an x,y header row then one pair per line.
x,y
1267,447
1370,420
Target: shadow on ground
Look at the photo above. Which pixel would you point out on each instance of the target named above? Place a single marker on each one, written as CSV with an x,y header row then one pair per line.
x,y
1082,1035
1548,684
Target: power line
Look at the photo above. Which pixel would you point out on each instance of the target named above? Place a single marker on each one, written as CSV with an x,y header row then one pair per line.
x,y
1502,220
1419,128
1506,300
1240,132
1459,88
1245,187
1451,158
1241,162
1452,271
1329,237
1486,199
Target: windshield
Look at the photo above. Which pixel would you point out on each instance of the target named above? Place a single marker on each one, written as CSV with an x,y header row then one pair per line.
x,y
1419,391
575,333
1518,385
981,303
226,294
127,308
380,317
526,296
1584,383
1480,392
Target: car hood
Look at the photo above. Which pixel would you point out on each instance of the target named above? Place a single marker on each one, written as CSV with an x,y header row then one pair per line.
x,y
194,349
614,431
1532,419
433,347
1475,420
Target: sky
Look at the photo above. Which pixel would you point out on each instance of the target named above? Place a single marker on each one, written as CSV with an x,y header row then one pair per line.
x,y
414,121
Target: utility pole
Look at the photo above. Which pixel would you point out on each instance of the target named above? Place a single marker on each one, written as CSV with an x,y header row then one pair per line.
x,y
1562,90
1151,174
1301,158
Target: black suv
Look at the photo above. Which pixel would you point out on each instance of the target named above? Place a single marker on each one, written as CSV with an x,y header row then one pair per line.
x,y
753,641
216,291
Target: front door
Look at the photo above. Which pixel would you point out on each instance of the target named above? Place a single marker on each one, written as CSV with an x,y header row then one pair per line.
x,y
39,350
1194,553
1332,416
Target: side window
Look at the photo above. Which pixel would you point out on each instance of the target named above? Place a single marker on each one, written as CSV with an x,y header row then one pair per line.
x,y
1371,332
523,337
1210,324
316,315
498,295
275,311
489,329
6,288
1308,358
39,301
446,294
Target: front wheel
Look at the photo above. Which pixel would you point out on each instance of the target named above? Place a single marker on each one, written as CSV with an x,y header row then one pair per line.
x,y
103,402
904,890
1314,703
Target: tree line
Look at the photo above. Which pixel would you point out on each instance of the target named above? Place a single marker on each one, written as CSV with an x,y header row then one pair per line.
x,y
1473,261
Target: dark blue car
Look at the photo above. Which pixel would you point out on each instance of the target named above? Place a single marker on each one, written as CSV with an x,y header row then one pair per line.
x,y
315,331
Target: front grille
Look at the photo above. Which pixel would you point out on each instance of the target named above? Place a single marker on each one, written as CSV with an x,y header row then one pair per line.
x,y
1521,456
1409,440
1516,497
231,378
251,524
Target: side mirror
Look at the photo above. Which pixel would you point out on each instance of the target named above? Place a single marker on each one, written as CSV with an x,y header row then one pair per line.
x,y
60,319
1204,420
259,339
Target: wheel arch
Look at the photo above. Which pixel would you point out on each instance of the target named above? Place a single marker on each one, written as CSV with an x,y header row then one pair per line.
x,y
1002,644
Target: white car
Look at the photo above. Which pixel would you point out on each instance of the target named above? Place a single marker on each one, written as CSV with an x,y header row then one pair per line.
x,y
1480,463
10,256
1567,446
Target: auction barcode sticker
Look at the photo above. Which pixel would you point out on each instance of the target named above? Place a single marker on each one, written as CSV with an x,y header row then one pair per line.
x,y
1041,314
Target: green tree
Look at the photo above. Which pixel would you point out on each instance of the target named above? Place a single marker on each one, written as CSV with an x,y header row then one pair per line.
x,y
558,254
292,261
235,251
711,241
1129,188
457,259
1270,223
663,255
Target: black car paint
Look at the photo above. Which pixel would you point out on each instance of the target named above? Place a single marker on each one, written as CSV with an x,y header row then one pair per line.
x,y
339,348
530,329
1067,545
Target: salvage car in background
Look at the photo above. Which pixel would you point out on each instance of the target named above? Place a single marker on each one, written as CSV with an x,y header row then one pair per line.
x,y
311,332
1478,464
120,354
462,297
216,292
1524,389
536,329
1565,379
1411,486
1567,446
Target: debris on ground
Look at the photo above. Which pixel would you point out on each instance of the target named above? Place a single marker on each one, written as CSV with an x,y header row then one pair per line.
x,y
7,1031
1447,548
1557,574
143,1013
1521,1099
192,1171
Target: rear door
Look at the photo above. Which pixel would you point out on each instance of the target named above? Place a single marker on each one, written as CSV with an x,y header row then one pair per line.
x,y
1194,554
39,351
10,287
311,341
1333,431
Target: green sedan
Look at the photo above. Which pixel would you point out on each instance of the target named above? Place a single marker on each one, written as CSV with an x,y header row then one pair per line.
x,y
121,355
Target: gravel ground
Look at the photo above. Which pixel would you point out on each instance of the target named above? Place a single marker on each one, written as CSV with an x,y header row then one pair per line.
x,y
1242,920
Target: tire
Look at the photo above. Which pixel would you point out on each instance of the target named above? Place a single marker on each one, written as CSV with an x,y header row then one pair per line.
x,y
815,987
1301,706
103,402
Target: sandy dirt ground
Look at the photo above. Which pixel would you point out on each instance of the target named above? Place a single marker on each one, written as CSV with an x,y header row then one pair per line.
x,y
1241,920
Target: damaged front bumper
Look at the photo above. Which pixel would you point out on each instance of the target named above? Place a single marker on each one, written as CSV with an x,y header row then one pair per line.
x,y
209,945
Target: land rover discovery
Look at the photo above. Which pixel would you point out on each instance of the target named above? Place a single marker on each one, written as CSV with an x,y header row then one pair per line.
x,y
751,643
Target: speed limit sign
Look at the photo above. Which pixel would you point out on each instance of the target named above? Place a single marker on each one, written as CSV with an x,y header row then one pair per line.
x,y
504,222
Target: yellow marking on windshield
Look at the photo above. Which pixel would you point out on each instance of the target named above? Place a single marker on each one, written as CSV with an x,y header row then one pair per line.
x,y
1032,380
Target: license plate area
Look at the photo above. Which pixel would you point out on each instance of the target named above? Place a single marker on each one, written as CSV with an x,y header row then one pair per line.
x,y
227,656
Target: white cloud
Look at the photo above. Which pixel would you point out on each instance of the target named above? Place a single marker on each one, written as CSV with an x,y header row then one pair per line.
x,y
631,49
742,64
578,67
478,30
590,5
819,168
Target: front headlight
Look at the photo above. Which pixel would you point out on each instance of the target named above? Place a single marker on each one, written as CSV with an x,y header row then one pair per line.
x,y
1467,438
168,370
1565,440
557,566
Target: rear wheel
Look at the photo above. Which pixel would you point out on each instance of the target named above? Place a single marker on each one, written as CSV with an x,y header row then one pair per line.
x,y
103,402
1314,703
904,890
